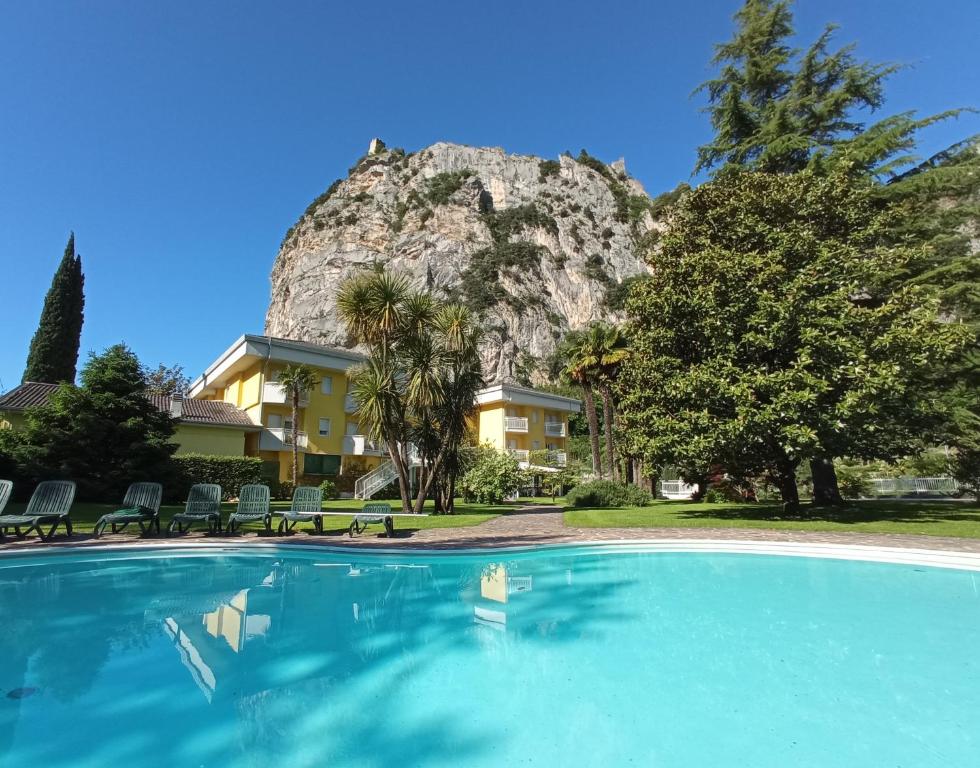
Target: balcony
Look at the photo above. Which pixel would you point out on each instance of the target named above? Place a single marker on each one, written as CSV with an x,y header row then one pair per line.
x,y
522,456
554,428
362,445
279,439
515,424
558,458
350,404
273,393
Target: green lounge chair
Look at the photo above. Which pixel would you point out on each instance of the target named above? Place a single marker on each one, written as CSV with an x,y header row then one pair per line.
x,y
253,507
141,505
49,505
203,506
306,508
6,487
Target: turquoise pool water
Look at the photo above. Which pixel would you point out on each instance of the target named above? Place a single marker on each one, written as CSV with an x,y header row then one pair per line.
x,y
570,657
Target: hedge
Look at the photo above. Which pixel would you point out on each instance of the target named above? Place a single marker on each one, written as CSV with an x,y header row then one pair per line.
x,y
230,472
605,493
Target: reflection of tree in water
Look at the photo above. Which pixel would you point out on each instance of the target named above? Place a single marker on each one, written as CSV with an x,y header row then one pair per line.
x,y
67,626
340,640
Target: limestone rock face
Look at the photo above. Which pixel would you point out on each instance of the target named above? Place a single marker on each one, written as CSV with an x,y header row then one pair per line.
x,y
537,247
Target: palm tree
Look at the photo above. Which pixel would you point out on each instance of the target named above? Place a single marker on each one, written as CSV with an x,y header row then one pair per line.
x,y
295,381
420,381
608,349
580,370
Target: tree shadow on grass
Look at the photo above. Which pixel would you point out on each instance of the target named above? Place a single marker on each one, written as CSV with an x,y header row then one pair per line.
x,y
855,512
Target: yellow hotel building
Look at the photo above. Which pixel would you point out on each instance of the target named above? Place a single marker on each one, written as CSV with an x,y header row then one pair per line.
x,y
236,407
331,443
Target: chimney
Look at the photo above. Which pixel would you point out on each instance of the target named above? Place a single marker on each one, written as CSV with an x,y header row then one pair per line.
x,y
176,405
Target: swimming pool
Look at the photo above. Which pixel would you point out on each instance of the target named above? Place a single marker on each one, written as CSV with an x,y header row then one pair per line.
x,y
559,657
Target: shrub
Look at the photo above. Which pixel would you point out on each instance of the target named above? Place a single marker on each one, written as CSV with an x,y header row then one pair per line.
x,y
442,186
230,472
329,489
605,493
282,491
853,481
492,477
548,168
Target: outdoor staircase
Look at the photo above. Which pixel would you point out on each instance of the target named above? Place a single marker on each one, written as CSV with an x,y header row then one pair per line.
x,y
367,485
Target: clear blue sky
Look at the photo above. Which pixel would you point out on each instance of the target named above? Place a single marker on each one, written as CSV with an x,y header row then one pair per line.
x,y
179,140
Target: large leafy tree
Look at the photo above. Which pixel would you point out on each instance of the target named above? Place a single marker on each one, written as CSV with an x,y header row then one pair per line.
x,y
166,379
295,382
416,392
53,355
104,434
790,331
780,109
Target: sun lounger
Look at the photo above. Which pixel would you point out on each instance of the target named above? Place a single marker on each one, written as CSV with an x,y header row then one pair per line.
x,y
253,507
6,488
307,507
375,512
49,505
203,506
141,505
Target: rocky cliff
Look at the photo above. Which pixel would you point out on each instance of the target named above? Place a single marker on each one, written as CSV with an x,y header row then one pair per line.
x,y
538,247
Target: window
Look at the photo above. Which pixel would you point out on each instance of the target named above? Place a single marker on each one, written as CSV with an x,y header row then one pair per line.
x,y
287,424
274,420
536,445
352,428
326,385
324,427
534,416
320,464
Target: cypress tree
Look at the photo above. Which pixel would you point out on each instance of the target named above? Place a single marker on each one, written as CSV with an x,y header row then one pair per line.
x,y
53,356
778,109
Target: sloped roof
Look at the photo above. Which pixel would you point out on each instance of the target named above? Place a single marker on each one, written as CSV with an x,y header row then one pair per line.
x,y
212,412
26,395
206,411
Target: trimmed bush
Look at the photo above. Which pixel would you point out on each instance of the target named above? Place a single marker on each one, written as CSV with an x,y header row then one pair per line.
x,y
230,472
329,489
605,493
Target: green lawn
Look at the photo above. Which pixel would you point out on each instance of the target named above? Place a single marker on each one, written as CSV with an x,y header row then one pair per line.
x,y
933,518
85,515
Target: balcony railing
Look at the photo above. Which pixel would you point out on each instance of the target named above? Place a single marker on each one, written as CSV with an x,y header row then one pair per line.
x,y
362,445
554,428
279,439
515,424
273,393
558,458
520,455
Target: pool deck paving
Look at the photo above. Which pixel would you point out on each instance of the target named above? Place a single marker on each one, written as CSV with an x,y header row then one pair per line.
x,y
525,527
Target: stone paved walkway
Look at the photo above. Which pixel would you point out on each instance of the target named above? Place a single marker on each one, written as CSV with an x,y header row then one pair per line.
x,y
528,526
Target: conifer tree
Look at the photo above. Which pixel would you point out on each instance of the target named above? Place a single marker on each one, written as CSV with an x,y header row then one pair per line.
x,y
53,355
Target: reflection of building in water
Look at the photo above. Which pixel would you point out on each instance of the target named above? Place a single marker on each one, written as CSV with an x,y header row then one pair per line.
x,y
330,614
498,585
230,622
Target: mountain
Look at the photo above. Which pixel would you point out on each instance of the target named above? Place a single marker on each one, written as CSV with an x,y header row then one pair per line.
x,y
537,247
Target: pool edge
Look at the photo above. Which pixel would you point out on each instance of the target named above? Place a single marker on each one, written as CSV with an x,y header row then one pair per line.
x,y
967,561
